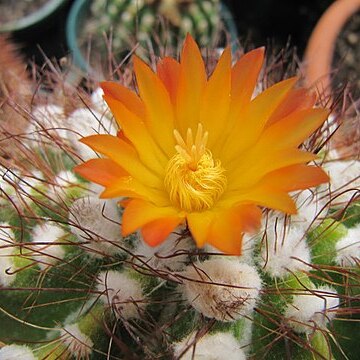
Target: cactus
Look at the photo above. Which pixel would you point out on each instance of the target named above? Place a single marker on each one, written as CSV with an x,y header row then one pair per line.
x,y
73,288
154,21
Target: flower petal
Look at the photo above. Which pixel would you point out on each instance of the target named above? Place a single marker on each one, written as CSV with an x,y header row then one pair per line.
x,y
127,186
135,130
139,213
267,197
228,226
252,122
199,224
168,70
100,171
192,80
295,177
262,196
292,130
210,115
117,181
124,155
244,76
127,97
256,164
158,106
296,99
155,232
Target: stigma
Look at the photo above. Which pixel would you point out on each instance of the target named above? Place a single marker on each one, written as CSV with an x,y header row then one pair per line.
x,y
193,179
193,149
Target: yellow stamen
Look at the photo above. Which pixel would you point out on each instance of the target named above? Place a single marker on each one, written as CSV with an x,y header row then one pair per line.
x,y
193,179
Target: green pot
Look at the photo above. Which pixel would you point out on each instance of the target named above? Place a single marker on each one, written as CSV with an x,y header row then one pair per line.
x,y
80,11
36,20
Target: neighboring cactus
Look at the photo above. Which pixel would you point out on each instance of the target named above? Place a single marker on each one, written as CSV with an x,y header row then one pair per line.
x,y
156,21
72,288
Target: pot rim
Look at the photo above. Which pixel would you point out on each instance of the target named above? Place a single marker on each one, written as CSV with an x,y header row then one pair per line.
x,y
320,49
33,18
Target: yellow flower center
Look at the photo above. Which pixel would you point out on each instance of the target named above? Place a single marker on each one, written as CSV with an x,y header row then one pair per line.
x,y
193,179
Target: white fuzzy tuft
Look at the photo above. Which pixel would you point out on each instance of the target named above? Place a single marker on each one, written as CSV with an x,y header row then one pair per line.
x,y
48,115
344,175
83,122
312,310
97,222
63,182
16,352
122,293
217,346
78,344
204,290
29,184
66,178
50,253
8,182
7,247
310,206
348,248
170,255
332,154
98,101
96,189
7,239
45,119
283,253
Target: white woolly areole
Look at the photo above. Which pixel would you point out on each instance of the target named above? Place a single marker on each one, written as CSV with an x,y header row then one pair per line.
x,y
98,101
312,310
122,293
7,239
283,253
170,255
332,154
45,119
16,352
63,182
344,175
66,178
216,346
95,190
48,115
29,183
96,222
348,248
7,247
44,247
83,122
78,344
204,288
309,205
8,182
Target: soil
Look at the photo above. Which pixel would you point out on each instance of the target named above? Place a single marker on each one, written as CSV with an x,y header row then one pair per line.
x,y
347,57
11,10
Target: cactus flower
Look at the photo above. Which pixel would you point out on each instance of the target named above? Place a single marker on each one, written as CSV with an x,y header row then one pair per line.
x,y
202,150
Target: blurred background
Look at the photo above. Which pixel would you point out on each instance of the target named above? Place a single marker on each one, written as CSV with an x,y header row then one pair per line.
x,y
258,21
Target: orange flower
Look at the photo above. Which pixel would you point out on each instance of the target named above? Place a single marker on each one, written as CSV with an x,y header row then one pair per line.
x,y
201,150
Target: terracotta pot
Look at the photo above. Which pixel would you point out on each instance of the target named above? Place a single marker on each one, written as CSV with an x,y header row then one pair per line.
x,y
321,46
